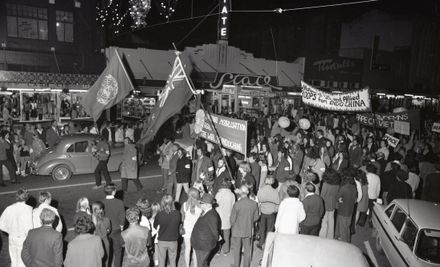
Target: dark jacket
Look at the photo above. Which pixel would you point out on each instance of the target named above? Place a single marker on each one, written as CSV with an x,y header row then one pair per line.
x,y
431,188
282,170
247,179
43,247
244,214
399,189
114,210
256,172
183,170
52,137
355,155
348,195
314,208
206,231
342,166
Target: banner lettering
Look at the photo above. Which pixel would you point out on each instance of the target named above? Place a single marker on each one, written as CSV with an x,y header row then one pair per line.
x,y
232,132
436,127
351,101
392,141
386,120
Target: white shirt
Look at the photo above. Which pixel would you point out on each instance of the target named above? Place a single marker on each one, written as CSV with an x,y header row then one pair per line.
x,y
119,135
290,214
225,200
36,216
16,220
413,180
359,190
373,185
129,132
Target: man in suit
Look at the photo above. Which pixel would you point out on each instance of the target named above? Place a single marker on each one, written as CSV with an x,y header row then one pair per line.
x,y
204,168
355,153
255,169
244,215
43,246
114,210
314,208
206,231
52,134
172,180
5,160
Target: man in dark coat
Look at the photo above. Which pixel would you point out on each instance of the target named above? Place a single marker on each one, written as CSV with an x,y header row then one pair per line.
x,y
255,169
43,246
114,210
52,134
431,188
399,189
206,231
314,208
243,216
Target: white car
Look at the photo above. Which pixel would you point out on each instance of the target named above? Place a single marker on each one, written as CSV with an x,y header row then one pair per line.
x,y
408,232
285,250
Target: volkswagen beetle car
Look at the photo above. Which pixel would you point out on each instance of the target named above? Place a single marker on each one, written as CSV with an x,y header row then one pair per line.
x,y
72,155
306,250
408,232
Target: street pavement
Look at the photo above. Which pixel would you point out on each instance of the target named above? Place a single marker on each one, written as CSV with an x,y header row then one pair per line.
x,y
65,194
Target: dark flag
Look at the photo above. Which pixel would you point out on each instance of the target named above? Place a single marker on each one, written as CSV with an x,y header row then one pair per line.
x,y
112,86
174,97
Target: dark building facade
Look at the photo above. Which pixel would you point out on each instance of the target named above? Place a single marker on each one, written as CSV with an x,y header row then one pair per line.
x,y
55,36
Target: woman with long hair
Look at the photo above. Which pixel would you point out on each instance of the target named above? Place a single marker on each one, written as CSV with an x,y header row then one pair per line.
x,y
168,221
102,227
82,209
362,205
190,211
330,187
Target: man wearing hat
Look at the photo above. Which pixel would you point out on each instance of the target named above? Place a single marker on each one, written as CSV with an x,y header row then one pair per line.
x,y
206,232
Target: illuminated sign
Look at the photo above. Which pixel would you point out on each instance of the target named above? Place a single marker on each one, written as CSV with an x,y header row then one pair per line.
x,y
223,23
244,80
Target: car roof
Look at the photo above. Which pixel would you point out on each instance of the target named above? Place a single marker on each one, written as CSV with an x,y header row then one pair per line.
x,y
425,214
78,137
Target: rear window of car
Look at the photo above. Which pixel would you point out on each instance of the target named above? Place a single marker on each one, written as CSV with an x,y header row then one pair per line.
x,y
398,219
428,246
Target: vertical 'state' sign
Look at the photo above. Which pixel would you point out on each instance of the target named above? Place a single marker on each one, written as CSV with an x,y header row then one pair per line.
x,y
223,24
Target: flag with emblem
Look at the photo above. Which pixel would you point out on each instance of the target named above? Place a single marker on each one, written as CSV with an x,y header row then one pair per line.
x,y
112,86
175,95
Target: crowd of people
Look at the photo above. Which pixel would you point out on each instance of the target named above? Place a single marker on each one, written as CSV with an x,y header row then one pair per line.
x,y
321,180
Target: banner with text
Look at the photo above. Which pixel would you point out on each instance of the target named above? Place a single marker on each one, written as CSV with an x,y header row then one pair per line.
x,y
358,100
392,141
402,127
232,132
386,120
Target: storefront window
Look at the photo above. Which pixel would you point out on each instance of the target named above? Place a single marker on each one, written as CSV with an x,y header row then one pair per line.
x,y
137,107
10,106
38,106
77,110
27,22
64,26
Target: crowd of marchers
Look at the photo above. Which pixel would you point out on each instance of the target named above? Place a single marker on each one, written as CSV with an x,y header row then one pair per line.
x,y
320,180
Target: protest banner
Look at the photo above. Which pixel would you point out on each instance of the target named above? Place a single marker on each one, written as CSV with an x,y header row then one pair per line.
x,y
232,132
392,141
358,100
386,120
402,127
436,127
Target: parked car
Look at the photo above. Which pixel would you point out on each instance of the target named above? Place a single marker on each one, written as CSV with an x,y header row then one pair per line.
x,y
408,232
305,251
72,155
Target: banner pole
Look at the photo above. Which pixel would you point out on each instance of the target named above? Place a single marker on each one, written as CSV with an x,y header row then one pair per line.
x,y
123,67
191,85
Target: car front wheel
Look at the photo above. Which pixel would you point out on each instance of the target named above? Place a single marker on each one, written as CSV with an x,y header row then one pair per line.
x,y
61,173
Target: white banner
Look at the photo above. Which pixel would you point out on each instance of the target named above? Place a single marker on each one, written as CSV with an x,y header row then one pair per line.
x,y
436,127
392,141
358,100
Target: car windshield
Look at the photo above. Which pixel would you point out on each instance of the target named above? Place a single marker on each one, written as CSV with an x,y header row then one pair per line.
x,y
428,246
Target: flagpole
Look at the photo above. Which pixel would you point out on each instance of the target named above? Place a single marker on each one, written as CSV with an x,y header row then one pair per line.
x,y
191,86
123,68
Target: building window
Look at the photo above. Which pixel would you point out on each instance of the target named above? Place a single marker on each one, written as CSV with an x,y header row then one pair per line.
x,y
64,26
27,22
